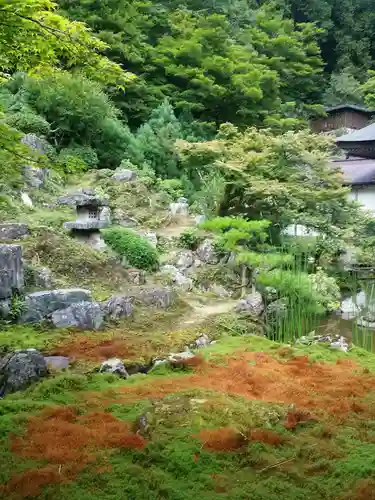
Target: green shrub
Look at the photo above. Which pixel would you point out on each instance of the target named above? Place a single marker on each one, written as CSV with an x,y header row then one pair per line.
x,y
29,122
84,153
173,187
137,250
190,239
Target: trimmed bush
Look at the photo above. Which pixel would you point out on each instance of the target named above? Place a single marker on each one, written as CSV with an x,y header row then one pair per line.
x,y
137,250
190,239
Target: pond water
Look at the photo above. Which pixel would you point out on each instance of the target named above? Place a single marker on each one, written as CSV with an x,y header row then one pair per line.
x,y
355,321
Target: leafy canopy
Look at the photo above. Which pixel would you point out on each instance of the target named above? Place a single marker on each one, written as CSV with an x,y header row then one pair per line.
x,y
34,37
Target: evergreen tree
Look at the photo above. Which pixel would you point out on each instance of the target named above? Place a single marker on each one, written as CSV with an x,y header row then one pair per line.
x,y
343,88
154,142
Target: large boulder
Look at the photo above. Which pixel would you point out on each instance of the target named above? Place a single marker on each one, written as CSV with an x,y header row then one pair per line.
x,y
13,231
83,315
124,175
177,278
19,369
117,307
11,270
158,297
252,305
206,252
40,305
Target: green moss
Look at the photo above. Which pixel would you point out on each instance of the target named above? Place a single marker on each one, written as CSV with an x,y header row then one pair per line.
x,y
72,263
25,336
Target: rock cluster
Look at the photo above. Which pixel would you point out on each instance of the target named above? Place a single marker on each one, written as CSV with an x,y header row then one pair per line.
x,y
21,368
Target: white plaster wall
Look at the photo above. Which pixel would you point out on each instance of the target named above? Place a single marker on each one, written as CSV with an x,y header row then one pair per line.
x,y
365,195
299,230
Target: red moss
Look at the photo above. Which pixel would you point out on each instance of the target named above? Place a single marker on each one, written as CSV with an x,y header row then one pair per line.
x,y
295,417
96,349
364,490
194,362
265,436
318,386
70,442
223,439
31,482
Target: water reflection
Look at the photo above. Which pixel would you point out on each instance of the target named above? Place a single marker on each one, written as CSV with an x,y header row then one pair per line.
x,y
348,328
355,321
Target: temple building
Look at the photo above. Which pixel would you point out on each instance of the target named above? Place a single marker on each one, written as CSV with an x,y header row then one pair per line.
x,y
346,117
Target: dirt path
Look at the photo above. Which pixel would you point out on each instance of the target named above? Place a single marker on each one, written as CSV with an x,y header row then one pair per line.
x,y
201,312
176,228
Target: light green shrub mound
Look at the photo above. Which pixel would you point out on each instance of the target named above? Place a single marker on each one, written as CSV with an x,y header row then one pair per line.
x,y
137,250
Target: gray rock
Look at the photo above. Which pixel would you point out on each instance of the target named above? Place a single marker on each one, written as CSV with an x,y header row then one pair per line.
x,y
43,278
35,143
85,197
174,358
124,220
180,356
252,305
26,200
158,297
13,231
124,175
40,305
152,238
277,309
82,315
57,362
177,277
117,307
206,252
340,345
179,209
182,199
21,368
35,176
11,270
114,365
199,219
202,341
5,308
105,215
136,276
38,277
185,259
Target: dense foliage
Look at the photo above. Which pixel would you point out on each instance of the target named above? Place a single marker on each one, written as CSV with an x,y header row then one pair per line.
x,y
136,251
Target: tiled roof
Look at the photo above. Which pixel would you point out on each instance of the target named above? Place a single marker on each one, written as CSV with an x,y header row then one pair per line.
x,y
356,171
352,107
361,135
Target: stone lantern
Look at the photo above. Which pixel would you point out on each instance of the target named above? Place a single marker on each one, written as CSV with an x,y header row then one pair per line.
x,y
93,215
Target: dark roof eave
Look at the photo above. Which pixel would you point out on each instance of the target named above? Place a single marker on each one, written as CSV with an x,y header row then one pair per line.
x,y
354,107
